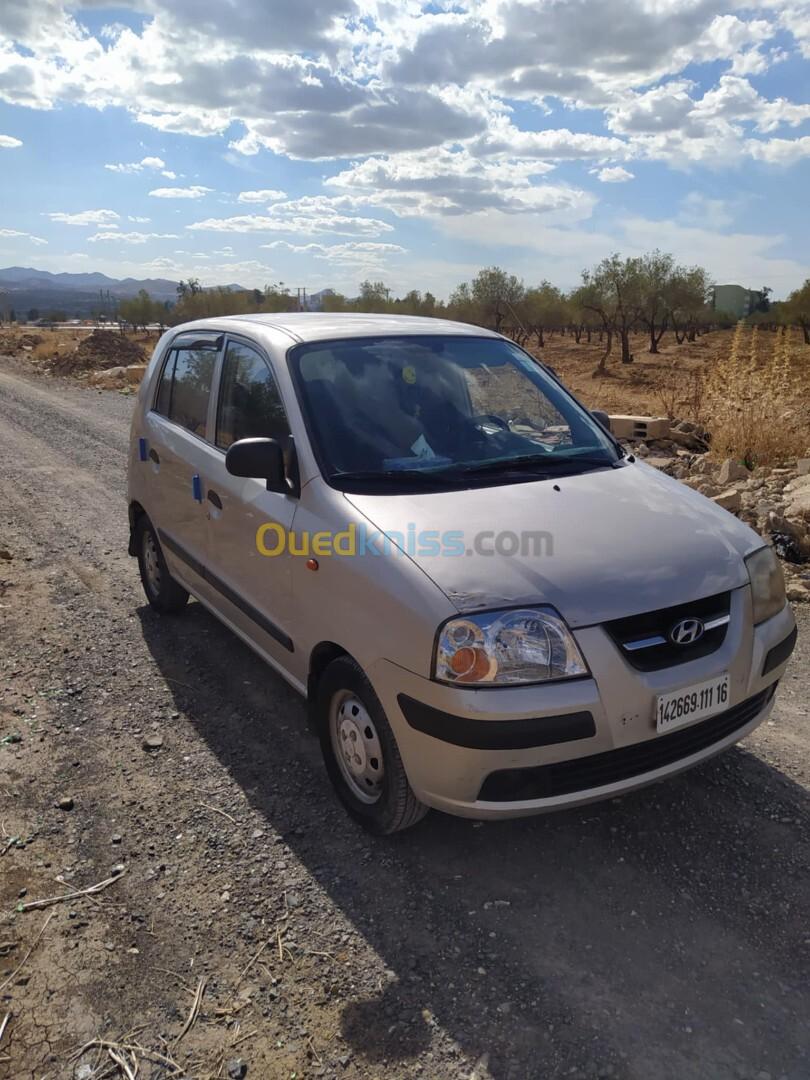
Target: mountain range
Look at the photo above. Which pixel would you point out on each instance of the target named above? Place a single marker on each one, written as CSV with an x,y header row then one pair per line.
x,y
23,288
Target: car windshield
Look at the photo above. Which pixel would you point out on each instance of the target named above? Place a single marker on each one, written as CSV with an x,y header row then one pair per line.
x,y
438,410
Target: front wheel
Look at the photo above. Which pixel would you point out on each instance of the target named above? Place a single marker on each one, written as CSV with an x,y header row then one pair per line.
x,y
162,591
360,752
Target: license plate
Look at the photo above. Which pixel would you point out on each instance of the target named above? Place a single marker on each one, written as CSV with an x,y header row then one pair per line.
x,y
691,703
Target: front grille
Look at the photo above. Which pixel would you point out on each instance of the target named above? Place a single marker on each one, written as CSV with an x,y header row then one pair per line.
x,y
612,766
644,639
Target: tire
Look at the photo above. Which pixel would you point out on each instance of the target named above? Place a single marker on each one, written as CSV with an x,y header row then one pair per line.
x,y
162,591
347,712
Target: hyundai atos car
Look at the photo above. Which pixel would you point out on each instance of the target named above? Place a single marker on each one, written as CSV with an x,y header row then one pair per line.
x,y
491,608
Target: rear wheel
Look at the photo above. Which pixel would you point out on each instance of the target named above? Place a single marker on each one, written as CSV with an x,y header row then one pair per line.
x,y
361,753
162,591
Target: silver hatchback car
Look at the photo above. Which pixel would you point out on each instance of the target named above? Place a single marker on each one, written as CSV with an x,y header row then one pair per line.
x,y
491,608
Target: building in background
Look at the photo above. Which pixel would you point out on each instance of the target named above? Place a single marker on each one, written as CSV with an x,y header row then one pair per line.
x,y
737,301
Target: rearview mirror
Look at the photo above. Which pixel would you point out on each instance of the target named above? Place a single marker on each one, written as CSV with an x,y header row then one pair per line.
x,y
262,458
601,418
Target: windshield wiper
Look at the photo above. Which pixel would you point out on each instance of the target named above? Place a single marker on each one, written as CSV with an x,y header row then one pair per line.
x,y
545,463
400,476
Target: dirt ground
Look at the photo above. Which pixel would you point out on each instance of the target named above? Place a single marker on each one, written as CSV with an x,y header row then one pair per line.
x,y
631,388
660,935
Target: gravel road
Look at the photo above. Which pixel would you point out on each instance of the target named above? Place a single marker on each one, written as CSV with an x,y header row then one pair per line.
x,y
661,935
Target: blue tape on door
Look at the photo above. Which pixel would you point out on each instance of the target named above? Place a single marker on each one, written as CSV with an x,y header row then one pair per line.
x,y
143,447
196,488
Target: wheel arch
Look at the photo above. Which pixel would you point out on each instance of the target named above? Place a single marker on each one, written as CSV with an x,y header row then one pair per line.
x,y
319,660
136,512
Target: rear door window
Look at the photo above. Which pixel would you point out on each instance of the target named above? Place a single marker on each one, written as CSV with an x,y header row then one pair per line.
x,y
185,387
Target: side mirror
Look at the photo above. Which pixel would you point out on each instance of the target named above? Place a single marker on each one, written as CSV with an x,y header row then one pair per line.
x,y
261,458
601,418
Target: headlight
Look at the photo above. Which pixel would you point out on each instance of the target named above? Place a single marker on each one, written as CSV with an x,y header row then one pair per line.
x,y
767,584
494,648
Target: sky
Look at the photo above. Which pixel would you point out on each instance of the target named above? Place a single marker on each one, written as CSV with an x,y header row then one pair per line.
x,y
322,142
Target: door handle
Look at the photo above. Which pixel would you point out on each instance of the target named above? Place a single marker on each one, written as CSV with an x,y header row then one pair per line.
x,y
214,499
153,454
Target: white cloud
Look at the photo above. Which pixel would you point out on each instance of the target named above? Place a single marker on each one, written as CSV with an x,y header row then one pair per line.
x,y
16,234
699,209
155,164
307,216
8,142
265,195
779,151
744,256
448,181
553,144
132,237
196,191
138,220
416,104
613,174
366,253
86,217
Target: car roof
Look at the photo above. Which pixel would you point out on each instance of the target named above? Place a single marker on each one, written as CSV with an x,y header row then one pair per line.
x,y
323,326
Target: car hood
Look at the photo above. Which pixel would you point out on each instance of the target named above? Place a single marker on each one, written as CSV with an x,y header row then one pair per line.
x,y
619,542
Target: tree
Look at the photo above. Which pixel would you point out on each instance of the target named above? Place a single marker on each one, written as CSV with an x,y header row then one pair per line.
x,y
374,296
796,309
688,295
141,310
188,288
544,308
33,314
461,305
657,270
496,294
613,292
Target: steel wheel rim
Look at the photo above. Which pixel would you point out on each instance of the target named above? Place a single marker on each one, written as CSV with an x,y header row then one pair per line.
x,y
151,562
357,747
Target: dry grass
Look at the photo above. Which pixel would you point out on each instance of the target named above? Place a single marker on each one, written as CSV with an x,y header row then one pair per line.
x,y
749,387
758,397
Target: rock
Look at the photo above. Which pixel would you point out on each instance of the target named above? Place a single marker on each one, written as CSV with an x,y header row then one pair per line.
x,y
83,1072
152,742
236,1069
116,838
789,549
779,524
730,471
730,500
659,462
803,466
704,465
798,592
134,373
689,440
797,497
66,803
110,379
799,484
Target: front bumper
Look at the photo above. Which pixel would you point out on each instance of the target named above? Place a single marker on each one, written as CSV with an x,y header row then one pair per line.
x,y
482,753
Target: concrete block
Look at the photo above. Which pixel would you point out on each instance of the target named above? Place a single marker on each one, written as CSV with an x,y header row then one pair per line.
x,y
640,427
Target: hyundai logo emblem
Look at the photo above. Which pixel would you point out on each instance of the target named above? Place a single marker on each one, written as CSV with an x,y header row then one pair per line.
x,y
686,632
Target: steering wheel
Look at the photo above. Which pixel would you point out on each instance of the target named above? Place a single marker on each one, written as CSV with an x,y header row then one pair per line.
x,y
482,419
